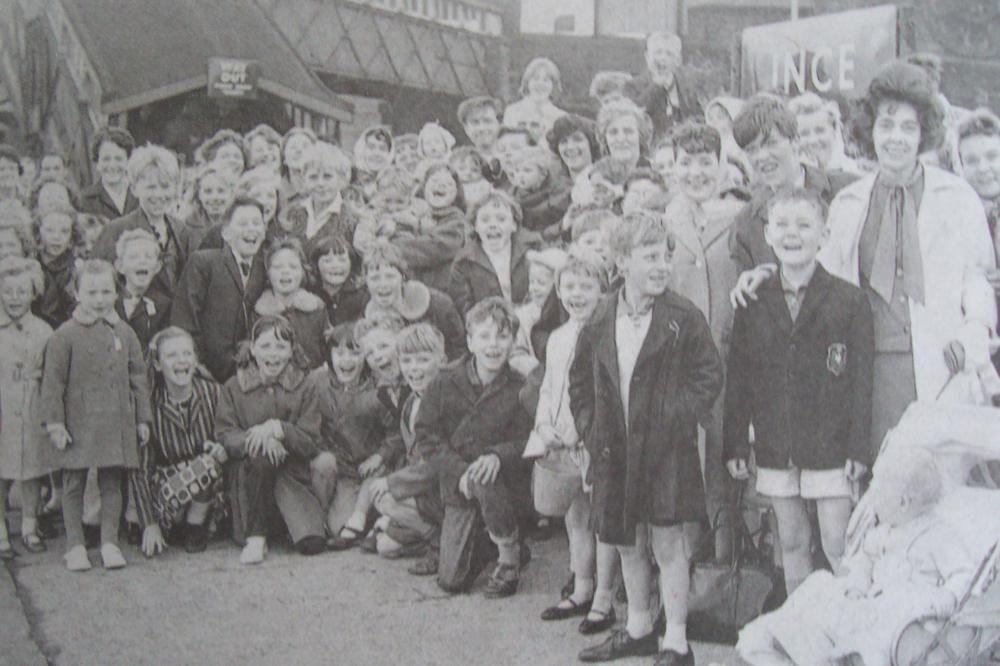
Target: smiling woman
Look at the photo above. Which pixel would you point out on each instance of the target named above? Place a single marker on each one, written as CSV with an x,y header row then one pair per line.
x,y
915,238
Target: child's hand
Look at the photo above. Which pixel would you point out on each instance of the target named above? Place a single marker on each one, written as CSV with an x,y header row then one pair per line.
x,y
143,432
152,540
738,469
379,487
855,471
484,469
275,451
255,438
58,435
370,466
217,451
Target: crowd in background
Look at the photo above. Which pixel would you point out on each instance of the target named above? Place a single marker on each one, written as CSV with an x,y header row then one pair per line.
x,y
432,346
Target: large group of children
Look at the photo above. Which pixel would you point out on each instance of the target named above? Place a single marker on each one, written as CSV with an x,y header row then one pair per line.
x,y
425,347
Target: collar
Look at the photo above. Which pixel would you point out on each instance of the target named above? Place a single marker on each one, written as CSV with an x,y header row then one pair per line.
x,y
89,319
334,207
6,321
473,376
302,300
240,259
249,377
625,308
795,289
914,178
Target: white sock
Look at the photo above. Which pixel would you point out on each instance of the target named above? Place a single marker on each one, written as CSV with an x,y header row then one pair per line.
x,y
602,600
583,589
29,525
675,638
639,623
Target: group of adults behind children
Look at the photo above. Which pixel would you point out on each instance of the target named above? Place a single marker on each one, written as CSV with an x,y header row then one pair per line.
x,y
418,346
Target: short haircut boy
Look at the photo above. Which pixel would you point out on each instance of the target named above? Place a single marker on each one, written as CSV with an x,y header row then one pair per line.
x,y
696,137
116,135
134,236
420,338
760,117
241,202
493,309
322,154
796,194
638,229
151,156
475,104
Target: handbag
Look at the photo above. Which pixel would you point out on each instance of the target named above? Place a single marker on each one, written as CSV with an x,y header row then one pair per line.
x,y
179,483
726,595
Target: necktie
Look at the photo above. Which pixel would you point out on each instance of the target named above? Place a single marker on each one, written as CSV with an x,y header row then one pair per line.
x,y
245,270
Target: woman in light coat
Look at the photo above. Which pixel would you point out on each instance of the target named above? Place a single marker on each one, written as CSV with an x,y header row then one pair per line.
x,y
940,312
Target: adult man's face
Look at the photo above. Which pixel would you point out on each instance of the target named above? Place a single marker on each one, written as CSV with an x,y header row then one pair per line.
x,y
663,57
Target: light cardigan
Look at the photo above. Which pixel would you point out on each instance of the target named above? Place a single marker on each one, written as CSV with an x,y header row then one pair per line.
x,y
956,251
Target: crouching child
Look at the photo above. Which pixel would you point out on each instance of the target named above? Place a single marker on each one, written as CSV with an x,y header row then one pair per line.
x,y
472,429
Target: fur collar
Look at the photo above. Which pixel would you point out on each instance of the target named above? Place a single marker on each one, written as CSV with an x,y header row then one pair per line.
x,y
249,377
88,318
303,301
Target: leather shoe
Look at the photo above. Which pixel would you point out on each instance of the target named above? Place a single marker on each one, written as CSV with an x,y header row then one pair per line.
x,y
196,538
619,645
674,658
561,612
503,582
588,626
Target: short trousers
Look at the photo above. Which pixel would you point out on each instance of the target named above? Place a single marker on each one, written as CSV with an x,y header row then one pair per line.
x,y
804,483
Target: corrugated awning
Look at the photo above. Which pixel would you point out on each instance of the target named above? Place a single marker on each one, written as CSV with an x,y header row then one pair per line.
x,y
147,50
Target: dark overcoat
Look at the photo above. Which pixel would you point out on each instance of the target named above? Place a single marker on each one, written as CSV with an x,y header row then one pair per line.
x,y
95,200
172,258
458,422
473,278
212,304
647,472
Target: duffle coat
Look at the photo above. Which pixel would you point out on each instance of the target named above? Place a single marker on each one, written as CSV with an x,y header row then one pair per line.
x,y
25,452
647,471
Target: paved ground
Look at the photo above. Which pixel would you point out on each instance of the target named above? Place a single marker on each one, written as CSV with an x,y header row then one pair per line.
x,y
343,608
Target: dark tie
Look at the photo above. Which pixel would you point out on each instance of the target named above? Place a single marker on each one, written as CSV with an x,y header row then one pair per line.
x,y
245,270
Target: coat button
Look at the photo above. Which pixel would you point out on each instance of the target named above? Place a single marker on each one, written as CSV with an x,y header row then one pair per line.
x,y
606,452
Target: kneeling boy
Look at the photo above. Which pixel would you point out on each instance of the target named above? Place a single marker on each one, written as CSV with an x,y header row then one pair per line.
x,y
472,429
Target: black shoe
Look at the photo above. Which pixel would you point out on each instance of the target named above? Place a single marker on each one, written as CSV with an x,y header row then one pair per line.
x,y
196,539
673,658
619,645
503,582
47,527
177,535
560,612
91,536
588,626
567,589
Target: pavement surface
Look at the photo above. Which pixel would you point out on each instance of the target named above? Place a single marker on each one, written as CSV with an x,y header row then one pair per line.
x,y
335,608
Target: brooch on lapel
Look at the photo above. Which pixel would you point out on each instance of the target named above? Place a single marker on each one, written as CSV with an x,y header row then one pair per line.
x,y
836,358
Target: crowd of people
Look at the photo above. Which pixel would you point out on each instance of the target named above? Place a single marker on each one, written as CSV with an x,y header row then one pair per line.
x,y
428,345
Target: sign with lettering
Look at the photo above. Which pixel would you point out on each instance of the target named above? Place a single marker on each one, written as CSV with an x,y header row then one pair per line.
x,y
831,53
233,77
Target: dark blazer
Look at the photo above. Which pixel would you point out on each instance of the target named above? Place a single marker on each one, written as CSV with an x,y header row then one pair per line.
x,y
148,318
806,386
473,279
458,422
212,304
96,201
653,97
746,241
648,472
173,259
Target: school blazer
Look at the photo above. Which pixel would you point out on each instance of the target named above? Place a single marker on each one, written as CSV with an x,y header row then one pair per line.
x,y
806,386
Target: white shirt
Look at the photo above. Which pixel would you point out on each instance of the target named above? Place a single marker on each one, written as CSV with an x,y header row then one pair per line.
x,y
630,333
501,266
118,198
315,221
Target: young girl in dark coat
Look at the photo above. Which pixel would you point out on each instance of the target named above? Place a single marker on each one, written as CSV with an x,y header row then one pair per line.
x,y
56,236
268,420
336,272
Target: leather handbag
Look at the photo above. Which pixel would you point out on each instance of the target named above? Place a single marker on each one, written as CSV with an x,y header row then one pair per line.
x,y
725,595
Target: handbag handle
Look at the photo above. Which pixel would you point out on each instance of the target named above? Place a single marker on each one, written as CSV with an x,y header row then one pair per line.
x,y
742,538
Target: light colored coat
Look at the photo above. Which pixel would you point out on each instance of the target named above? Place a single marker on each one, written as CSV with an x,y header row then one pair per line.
x,y
94,383
956,251
25,452
703,268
